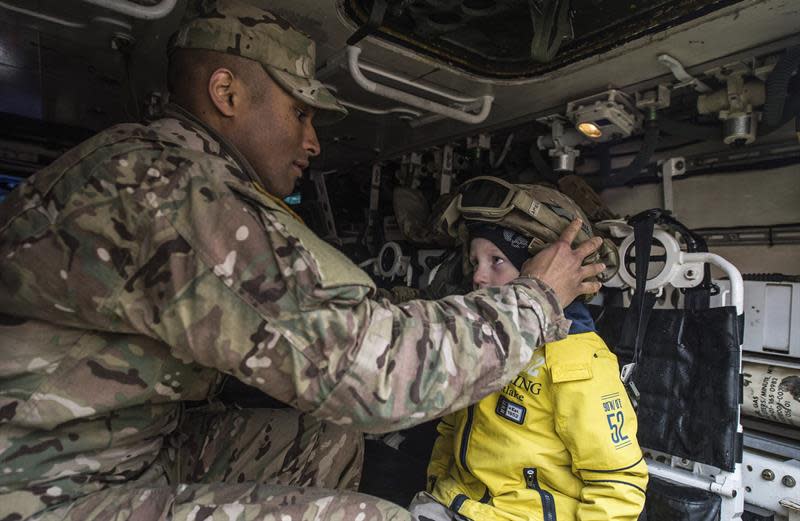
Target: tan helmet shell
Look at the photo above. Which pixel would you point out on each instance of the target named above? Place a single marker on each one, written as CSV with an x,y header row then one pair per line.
x,y
540,213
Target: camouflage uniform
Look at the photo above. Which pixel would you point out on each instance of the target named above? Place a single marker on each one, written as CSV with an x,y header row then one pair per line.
x,y
144,264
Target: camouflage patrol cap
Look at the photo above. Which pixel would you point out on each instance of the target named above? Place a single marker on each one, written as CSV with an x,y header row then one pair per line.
x,y
238,28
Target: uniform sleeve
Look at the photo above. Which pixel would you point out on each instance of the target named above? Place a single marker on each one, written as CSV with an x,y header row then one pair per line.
x,y
442,453
598,425
231,283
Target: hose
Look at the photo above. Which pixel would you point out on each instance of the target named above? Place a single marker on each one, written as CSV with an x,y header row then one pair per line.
x,y
778,85
504,153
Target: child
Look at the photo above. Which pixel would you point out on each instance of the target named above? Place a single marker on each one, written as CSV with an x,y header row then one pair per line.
x,y
559,441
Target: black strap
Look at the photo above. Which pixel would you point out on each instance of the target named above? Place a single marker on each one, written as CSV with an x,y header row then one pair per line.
x,y
698,297
372,24
638,315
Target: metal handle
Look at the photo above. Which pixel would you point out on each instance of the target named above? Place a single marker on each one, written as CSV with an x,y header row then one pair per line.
x,y
411,99
144,12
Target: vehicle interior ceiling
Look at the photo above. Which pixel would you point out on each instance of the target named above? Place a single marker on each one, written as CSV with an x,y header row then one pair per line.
x,y
680,89
67,72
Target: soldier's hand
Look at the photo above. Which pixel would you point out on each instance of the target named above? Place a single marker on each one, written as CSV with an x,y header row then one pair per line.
x,y
560,267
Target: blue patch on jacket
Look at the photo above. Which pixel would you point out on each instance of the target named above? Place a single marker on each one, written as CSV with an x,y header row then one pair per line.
x,y
582,321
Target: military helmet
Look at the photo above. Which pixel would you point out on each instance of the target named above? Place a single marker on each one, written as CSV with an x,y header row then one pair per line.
x,y
538,212
240,29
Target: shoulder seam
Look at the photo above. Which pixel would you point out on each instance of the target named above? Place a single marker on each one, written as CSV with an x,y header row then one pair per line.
x,y
615,470
637,487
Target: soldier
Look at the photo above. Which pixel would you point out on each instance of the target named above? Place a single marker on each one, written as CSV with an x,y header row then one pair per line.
x,y
149,261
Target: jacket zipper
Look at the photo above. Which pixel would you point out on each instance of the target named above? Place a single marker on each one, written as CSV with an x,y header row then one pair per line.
x,y
465,437
457,502
548,503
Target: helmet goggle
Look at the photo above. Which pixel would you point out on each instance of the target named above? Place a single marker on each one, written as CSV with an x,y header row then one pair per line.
x,y
489,199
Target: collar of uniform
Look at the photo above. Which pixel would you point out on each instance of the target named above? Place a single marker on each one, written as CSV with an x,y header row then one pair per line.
x,y
173,110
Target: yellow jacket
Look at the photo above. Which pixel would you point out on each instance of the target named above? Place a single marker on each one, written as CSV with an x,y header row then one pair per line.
x,y
557,443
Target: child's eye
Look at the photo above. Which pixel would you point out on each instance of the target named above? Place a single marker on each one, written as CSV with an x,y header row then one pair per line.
x,y
497,260
301,115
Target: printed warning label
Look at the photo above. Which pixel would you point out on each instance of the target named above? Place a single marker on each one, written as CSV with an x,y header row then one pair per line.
x,y
772,393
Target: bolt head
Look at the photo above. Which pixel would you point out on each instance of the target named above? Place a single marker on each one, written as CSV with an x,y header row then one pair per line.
x,y
789,481
767,475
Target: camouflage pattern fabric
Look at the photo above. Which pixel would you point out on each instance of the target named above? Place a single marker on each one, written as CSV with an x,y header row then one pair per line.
x,y
241,465
425,507
226,502
276,446
237,28
398,294
416,220
142,264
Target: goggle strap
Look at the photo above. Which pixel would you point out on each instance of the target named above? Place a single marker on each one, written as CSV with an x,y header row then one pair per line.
x,y
451,216
525,203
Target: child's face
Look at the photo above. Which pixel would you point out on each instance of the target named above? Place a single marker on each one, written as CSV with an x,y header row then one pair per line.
x,y
490,266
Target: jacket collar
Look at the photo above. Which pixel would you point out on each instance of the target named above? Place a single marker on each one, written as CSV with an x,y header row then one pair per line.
x,y
211,140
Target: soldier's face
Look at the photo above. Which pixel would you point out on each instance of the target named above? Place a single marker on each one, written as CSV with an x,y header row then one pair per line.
x,y
277,136
490,265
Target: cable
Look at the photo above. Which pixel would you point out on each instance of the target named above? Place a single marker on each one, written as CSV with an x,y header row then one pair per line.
x,y
504,153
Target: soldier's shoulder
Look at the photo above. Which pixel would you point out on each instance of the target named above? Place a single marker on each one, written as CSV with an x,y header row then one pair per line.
x,y
167,144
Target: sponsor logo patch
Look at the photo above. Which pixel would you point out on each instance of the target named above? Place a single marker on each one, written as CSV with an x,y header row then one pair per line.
x,y
510,411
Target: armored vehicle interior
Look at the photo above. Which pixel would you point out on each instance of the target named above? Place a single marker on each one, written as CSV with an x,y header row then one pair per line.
x,y
687,106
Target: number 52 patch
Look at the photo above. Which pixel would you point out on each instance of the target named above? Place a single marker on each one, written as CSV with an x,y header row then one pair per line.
x,y
615,416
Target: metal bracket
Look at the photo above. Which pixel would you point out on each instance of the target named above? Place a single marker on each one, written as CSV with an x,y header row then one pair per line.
x,y
446,175
772,483
374,199
670,168
681,75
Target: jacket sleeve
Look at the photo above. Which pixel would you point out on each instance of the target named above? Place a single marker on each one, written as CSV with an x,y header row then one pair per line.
x,y
442,453
597,423
230,281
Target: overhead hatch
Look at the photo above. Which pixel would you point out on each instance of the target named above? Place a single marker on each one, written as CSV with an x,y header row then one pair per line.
x,y
517,39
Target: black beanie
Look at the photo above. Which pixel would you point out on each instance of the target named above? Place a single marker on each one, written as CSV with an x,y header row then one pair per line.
x,y
512,244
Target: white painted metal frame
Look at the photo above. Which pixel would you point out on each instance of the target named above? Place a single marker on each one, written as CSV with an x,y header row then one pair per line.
x,y
682,270
728,485
413,100
773,492
143,12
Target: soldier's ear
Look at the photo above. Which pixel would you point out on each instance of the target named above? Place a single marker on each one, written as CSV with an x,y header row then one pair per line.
x,y
223,91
